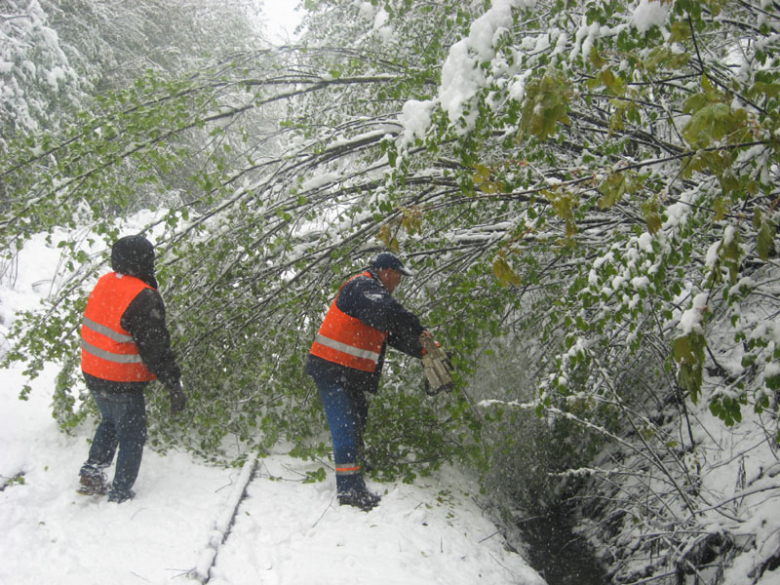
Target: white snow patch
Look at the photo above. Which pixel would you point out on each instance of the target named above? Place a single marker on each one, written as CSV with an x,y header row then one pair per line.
x,y
320,181
645,242
461,76
650,13
690,321
415,117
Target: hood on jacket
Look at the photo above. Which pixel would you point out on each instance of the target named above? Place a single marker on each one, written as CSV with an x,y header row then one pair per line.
x,y
134,256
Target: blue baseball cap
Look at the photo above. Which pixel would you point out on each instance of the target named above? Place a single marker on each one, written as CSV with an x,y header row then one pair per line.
x,y
388,260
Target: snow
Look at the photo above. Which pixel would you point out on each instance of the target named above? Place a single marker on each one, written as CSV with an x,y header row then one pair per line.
x,y
645,242
691,319
320,181
650,13
381,19
280,18
584,39
182,526
461,77
711,257
367,11
415,117
54,76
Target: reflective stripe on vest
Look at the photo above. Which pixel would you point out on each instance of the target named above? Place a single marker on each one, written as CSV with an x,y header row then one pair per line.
x,y
108,351
366,354
348,341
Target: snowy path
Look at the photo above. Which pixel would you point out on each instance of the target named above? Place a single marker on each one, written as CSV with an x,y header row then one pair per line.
x,y
291,532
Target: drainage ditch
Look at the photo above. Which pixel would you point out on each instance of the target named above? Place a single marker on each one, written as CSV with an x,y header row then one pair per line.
x,y
559,555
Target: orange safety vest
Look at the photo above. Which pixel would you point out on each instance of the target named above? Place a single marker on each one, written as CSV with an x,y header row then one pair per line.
x,y
348,341
108,351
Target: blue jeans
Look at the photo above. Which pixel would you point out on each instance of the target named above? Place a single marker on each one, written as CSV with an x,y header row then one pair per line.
x,y
123,425
347,412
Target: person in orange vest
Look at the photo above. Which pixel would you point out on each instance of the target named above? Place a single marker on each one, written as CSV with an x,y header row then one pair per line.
x,y
346,360
125,344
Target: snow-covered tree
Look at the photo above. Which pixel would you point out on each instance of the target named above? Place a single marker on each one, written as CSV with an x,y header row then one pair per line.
x,y
36,76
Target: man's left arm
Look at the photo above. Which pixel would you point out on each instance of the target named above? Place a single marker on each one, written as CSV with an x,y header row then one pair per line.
x,y
145,320
404,335
367,300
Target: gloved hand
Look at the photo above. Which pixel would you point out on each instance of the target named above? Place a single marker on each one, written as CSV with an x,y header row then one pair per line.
x,y
178,399
436,365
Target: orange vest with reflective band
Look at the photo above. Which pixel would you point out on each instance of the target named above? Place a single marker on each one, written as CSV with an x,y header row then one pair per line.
x,y
348,341
108,351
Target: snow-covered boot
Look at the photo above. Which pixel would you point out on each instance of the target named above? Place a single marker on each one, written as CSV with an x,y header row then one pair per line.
x,y
362,499
118,497
93,484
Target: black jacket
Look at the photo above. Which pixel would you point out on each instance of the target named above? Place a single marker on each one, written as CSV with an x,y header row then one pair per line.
x,y
366,299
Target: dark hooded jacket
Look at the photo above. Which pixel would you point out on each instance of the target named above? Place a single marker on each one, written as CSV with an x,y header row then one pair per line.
x,y
366,299
144,318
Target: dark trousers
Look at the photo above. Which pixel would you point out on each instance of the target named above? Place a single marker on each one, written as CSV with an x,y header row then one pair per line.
x,y
122,425
347,411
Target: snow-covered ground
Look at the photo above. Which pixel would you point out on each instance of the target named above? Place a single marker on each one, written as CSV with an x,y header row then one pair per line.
x,y
285,531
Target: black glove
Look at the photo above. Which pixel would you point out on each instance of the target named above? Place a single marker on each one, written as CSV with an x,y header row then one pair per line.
x,y
178,399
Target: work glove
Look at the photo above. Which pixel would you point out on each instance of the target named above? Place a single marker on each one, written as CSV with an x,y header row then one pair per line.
x,y
178,399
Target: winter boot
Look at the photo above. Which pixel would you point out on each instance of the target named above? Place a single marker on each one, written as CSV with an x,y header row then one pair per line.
x,y
93,484
118,497
359,497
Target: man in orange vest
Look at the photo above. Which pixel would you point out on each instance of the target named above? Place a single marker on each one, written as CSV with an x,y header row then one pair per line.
x,y
125,344
346,359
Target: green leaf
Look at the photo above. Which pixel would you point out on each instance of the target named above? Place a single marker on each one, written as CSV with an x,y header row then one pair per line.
x,y
688,352
504,273
730,256
765,242
596,59
664,57
485,182
546,104
713,122
616,185
653,217
721,208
